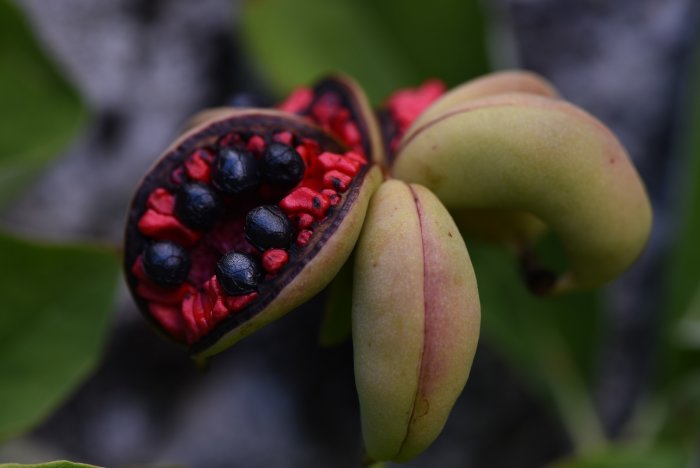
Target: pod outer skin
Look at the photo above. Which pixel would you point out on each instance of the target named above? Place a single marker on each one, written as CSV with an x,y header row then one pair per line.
x,y
513,228
544,156
416,319
502,82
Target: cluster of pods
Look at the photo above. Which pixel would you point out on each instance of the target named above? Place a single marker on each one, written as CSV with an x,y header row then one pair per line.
x,y
251,212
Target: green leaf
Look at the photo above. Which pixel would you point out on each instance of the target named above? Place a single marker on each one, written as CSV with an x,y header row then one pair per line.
x,y
56,303
384,45
629,457
40,112
54,464
680,337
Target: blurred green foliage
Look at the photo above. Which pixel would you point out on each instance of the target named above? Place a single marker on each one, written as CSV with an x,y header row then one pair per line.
x,y
383,44
39,114
628,457
56,299
56,305
54,464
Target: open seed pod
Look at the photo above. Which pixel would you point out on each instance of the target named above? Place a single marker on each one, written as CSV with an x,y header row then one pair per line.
x,y
250,213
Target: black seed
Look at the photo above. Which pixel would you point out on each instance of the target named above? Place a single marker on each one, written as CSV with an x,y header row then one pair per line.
x,y
238,273
236,171
197,206
268,227
166,263
282,165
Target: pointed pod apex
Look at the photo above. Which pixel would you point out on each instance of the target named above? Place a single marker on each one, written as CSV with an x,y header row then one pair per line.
x,y
415,320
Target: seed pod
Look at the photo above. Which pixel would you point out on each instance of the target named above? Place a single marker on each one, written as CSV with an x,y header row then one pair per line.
x,y
242,277
547,157
415,320
516,229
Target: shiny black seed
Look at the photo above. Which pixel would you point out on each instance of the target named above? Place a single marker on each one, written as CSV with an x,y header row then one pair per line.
x,y
238,273
236,171
166,263
267,227
282,165
197,206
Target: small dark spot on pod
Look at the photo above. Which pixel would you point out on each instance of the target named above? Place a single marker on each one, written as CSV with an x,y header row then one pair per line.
x,y
236,171
197,206
166,263
540,281
267,227
238,273
282,165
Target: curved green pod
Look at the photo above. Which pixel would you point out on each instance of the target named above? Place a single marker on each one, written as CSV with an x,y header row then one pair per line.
x,y
543,156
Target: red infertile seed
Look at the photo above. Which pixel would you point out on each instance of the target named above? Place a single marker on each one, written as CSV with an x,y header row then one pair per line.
x,y
356,157
137,270
304,237
298,101
165,227
351,134
304,153
332,196
201,311
161,201
236,303
331,161
194,317
198,168
407,104
256,144
274,259
336,180
285,138
170,319
304,199
326,107
311,145
151,292
230,139
191,328
213,301
305,220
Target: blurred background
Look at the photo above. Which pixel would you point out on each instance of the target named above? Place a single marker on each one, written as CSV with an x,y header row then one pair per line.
x,y
91,92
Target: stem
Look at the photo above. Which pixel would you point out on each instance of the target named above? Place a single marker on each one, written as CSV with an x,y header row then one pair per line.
x,y
368,462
